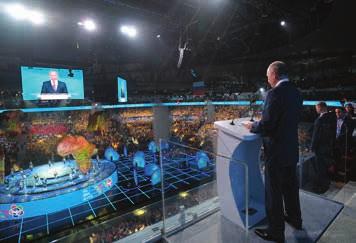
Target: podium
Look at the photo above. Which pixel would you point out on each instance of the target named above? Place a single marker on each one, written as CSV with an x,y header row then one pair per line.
x,y
54,96
237,144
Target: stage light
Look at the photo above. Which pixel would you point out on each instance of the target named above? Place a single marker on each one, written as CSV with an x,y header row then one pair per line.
x,y
20,12
36,17
283,23
88,24
262,90
183,194
17,11
139,212
130,31
158,36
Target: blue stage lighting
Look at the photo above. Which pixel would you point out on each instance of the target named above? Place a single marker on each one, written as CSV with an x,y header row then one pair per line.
x,y
164,145
111,155
135,177
150,169
156,177
139,159
152,147
125,151
201,159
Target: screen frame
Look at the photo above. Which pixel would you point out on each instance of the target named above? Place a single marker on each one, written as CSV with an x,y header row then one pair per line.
x,y
51,66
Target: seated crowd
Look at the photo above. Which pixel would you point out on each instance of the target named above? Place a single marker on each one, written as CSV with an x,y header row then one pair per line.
x,y
34,136
128,224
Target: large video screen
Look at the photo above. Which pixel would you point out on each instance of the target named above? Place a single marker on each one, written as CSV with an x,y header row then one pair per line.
x,y
44,83
121,89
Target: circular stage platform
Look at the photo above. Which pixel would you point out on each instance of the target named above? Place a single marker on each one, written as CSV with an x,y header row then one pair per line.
x,y
53,187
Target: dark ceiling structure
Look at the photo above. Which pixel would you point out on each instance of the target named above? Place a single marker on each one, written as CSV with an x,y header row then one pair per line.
x,y
217,31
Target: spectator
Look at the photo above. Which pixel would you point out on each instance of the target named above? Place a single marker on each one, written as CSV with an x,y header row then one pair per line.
x,y
344,129
323,139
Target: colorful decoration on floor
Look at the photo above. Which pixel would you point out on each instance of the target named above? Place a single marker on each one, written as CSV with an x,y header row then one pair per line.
x,y
16,211
80,149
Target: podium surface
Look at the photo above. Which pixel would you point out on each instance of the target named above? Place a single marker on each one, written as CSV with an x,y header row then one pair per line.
x,y
239,147
54,96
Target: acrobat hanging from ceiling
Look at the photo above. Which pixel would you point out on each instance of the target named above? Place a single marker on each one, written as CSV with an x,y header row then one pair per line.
x,y
182,47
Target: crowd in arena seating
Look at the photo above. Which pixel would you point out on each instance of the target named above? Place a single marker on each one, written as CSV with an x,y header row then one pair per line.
x,y
39,133
128,224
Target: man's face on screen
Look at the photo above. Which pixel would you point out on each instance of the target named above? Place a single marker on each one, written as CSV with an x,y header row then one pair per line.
x,y
53,75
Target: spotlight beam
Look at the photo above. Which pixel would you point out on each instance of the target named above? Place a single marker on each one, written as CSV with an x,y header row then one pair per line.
x,y
88,24
21,13
130,31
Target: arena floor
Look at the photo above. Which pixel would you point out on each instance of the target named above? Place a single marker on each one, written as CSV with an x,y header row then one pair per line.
x,y
124,196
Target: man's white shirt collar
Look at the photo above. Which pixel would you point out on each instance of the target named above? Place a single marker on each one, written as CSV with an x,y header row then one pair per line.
x,y
322,113
282,81
54,82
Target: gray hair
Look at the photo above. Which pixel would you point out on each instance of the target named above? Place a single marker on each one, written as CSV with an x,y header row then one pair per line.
x,y
280,68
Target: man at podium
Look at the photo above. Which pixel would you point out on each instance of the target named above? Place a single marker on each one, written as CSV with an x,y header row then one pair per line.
x,y
54,86
279,130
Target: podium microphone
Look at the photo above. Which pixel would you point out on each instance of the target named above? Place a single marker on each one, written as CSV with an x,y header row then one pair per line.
x,y
252,115
251,111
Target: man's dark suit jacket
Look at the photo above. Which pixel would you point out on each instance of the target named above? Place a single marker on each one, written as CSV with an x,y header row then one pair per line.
x,y
279,125
347,129
47,88
324,134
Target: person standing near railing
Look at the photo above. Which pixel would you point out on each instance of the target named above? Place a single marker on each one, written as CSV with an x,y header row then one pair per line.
x,y
322,144
344,129
350,113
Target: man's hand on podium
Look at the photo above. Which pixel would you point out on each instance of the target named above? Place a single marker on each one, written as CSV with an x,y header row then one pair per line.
x,y
248,125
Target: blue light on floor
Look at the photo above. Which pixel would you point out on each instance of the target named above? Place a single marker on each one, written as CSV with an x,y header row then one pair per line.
x,y
201,159
139,159
111,155
156,177
164,145
150,169
152,147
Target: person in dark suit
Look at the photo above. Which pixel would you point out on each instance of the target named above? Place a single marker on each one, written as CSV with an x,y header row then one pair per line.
x,y
54,85
350,113
344,128
322,144
350,110
279,130
343,143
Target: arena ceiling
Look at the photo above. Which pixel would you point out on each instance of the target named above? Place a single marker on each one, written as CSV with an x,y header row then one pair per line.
x,y
216,30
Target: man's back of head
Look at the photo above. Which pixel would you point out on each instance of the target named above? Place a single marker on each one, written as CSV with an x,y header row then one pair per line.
x,y
321,107
276,71
280,68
